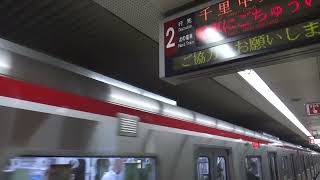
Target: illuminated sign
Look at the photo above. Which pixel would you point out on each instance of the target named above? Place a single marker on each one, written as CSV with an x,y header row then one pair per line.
x,y
312,141
313,109
233,29
275,40
255,145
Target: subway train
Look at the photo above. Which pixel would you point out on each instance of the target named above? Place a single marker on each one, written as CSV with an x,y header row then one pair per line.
x,y
61,121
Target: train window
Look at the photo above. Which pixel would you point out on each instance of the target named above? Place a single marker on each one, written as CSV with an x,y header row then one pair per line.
x,y
221,169
273,166
80,168
203,167
253,168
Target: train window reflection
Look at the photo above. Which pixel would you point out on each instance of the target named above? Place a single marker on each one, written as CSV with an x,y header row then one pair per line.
x,y
253,168
80,168
221,169
203,167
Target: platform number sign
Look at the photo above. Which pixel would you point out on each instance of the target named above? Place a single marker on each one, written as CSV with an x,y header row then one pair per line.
x,y
170,38
170,33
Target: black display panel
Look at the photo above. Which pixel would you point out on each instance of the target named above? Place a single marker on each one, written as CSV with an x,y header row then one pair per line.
x,y
228,22
290,37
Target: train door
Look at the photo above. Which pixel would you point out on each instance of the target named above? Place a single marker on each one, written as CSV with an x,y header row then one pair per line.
x,y
213,164
303,168
284,173
299,167
294,167
312,166
307,165
273,166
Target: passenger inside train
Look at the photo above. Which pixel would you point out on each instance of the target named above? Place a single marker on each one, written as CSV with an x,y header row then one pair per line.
x,y
80,168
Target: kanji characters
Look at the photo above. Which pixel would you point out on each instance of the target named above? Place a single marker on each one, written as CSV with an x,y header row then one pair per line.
x,y
257,43
224,7
244,2
182,39
260,42
276,11
292,37
205,13
202,57
258,15
296,5
312,29
185,38
242,46
254,44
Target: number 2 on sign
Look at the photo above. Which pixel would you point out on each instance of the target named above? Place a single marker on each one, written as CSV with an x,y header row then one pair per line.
x,y
170,32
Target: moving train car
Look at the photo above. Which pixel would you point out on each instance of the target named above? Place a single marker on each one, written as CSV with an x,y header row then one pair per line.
x,y
60,121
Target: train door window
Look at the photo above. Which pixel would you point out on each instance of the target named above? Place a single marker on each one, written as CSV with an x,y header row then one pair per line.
x,y
221,168
213,164
253,168
273,166
203,168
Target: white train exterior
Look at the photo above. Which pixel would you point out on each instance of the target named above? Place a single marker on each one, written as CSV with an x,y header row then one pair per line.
x,y
52,108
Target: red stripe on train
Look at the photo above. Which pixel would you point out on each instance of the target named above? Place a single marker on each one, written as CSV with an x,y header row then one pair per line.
x,y
43,95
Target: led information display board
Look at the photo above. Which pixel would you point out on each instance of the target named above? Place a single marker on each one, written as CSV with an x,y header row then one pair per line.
x,y
299,34
234,29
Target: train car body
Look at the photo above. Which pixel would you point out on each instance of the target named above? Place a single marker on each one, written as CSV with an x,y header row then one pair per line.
x,y
53,111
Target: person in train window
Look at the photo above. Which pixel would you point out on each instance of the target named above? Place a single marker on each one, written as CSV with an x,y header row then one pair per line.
x,y
252,172
116,171
221,174
78,169
102,167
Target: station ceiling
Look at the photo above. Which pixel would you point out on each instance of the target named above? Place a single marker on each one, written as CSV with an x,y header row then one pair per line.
x,y
119,38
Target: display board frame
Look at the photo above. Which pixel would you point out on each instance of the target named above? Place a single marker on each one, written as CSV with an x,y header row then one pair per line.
x,y
236,65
